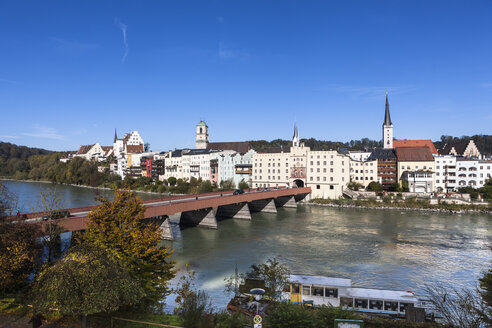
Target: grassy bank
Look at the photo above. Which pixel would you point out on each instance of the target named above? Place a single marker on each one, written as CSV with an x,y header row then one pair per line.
x,y
408,204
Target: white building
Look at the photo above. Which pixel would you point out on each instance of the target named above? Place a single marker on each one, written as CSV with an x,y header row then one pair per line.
x,y
446,175
363,171
201,135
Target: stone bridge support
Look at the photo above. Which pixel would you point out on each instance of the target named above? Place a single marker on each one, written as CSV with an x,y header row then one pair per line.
x,y
286,201
263,205
201,218
235,211
300,197
164,226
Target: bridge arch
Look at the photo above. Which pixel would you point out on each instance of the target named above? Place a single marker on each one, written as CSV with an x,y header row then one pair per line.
x,y
299,183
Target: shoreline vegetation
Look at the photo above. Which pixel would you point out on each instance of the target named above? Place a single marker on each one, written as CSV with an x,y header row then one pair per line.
x,y
404,205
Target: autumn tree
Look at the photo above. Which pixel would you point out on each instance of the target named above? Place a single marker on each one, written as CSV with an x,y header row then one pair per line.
x,y
19,246
118,227
88,280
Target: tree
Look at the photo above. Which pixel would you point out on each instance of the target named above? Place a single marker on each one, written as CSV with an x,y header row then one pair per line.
x,y
227,184
19,252
205,186
192,303
172,181
19,246
374,186
485,291
457,306
274,274
147,146
50,201
243,184
118,227
88,280
354,185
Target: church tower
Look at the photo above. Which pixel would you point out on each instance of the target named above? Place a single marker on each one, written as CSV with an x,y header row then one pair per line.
x,y
387,127
201,135
295,138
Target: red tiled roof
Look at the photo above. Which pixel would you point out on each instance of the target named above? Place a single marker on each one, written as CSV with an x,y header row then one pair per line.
x,y
414,154
241,146
135,148
107,148
415,143
84,149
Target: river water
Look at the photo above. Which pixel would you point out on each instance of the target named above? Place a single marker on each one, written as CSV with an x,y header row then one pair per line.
x,y
378,249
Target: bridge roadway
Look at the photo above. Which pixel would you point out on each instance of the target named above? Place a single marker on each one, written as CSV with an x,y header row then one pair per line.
x,y
196,210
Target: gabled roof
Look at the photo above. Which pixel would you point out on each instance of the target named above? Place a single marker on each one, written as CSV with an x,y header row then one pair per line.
x,y
415,143
382,153
241,147
135,148
414,154
459,147
84,149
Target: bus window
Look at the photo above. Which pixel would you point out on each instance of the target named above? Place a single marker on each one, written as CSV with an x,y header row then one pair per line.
x,y
306,290
317,291
331,292
404,306
391,306
346,302
360,303
375,305
286,288
295,288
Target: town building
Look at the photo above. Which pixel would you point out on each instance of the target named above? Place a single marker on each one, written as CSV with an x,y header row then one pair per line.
x,y
364,171
445,173
416,166
463,149
387,167
416,143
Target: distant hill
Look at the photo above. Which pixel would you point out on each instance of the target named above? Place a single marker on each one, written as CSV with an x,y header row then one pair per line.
x,y
483,142
14,158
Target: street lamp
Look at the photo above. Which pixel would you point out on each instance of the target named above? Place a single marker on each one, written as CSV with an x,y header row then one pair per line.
x,y
258,293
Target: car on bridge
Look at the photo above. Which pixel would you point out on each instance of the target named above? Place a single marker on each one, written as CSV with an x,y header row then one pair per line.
x,y
56,215
238,192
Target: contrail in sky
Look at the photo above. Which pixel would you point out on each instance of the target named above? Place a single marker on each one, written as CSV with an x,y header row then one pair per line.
x,y
123,30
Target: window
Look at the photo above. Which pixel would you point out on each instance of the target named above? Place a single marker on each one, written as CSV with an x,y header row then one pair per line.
x,y
317,291
331,162
331,178
375,305
318,187
331,292
306,290
295,288
332,187
361,303
391,306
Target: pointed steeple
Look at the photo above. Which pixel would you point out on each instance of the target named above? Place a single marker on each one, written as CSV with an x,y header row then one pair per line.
x,y
295,138
387,118
115,136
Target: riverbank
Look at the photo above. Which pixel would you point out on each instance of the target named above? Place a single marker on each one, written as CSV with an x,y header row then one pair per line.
x,y
82,186
409,205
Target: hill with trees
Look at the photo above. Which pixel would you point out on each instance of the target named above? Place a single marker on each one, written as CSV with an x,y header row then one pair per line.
x,y
14,158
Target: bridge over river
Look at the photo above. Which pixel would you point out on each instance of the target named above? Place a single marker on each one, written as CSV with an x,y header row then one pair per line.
x,y
202,210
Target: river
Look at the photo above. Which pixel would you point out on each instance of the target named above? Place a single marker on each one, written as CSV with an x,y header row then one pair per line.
x,y
378,249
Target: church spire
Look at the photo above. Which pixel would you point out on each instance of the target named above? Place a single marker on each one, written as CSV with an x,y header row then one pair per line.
x,y
387,118
115,136
295,139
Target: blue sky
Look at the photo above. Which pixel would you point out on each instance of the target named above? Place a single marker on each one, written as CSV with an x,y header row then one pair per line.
x,y
72,71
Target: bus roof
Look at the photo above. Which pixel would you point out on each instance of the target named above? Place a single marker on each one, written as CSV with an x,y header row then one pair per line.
x,y
320,280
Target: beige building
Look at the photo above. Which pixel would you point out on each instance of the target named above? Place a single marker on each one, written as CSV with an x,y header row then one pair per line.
x,y
416,165
326,172
363,172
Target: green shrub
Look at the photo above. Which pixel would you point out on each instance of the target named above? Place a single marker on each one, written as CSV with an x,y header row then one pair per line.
x,y
325,316
289,315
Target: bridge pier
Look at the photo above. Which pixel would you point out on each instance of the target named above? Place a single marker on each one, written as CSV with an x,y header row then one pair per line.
x,y
235,211
286,201
202,218
299,197
162,223
263,205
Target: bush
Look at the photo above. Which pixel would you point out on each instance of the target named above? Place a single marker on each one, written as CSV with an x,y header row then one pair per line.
x,y
354,186
326,315
374,186
224,319
288,315
243,185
